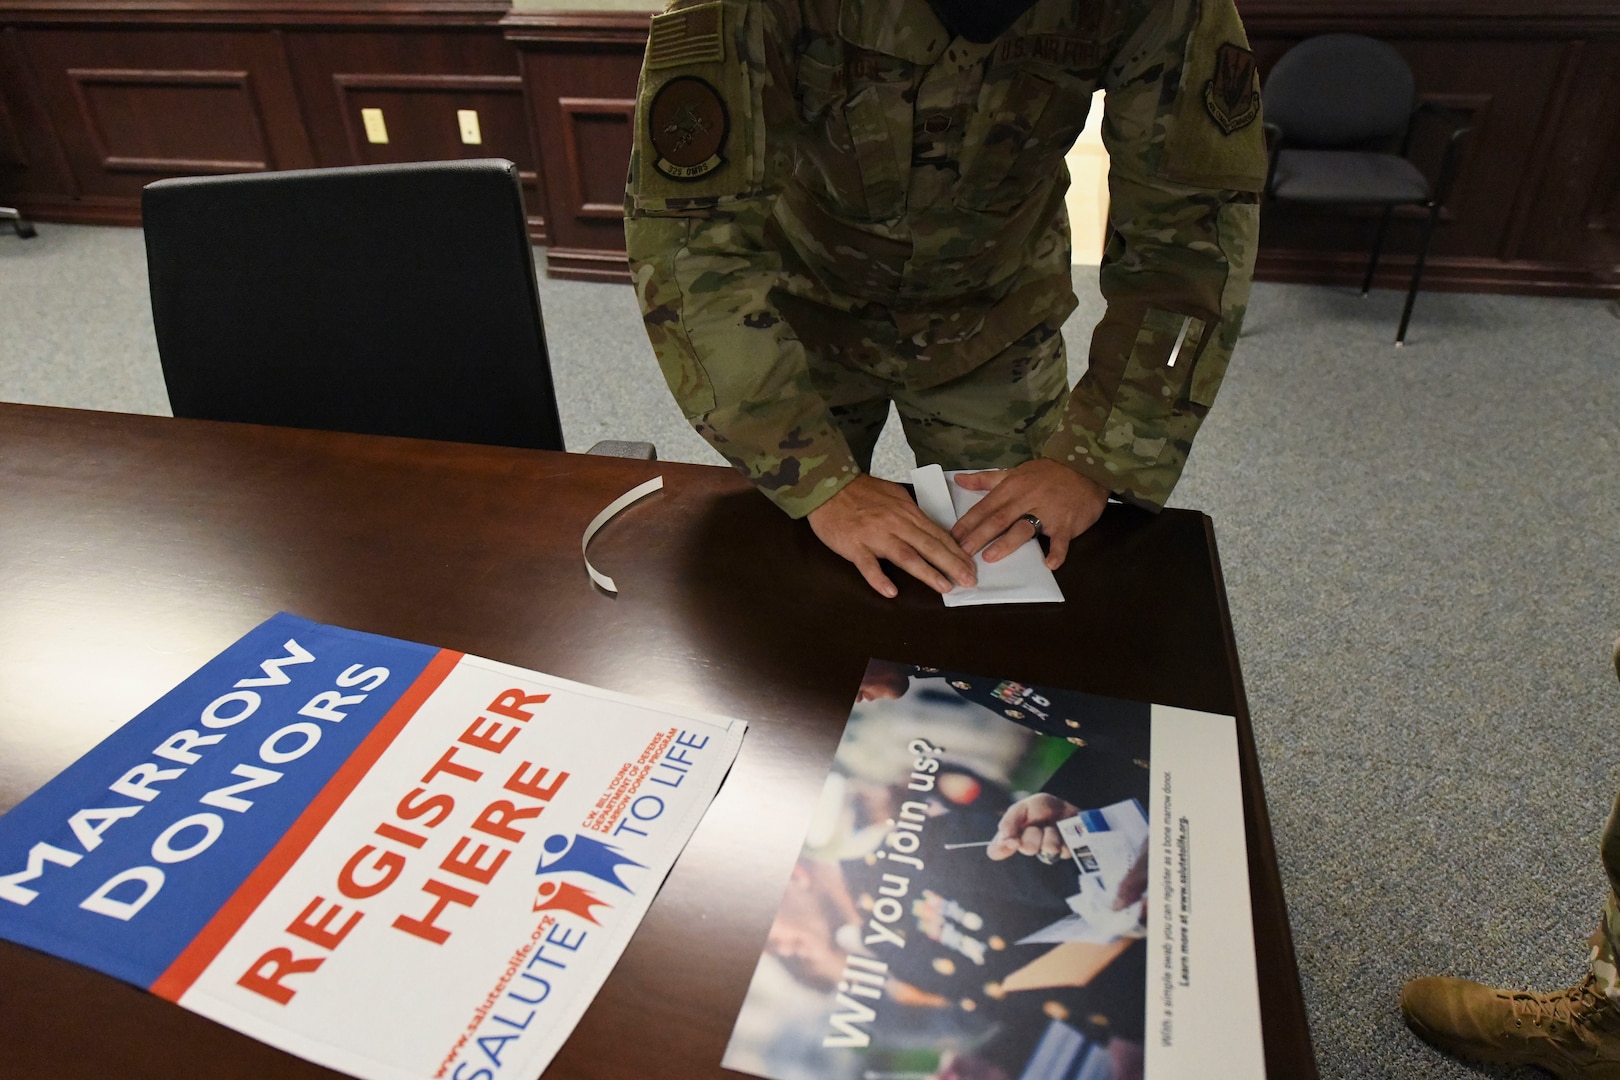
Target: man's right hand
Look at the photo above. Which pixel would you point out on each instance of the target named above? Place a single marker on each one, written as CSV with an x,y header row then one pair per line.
x,y
872,519
1029,827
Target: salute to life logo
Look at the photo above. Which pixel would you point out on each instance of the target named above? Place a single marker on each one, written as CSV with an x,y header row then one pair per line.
x,y
582,854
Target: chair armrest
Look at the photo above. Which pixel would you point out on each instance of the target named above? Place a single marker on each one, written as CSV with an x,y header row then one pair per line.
x,y
641,451
1457,120
1448,164
1457,117
1274,138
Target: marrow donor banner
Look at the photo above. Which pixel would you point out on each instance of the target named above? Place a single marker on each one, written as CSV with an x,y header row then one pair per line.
x,y
390,859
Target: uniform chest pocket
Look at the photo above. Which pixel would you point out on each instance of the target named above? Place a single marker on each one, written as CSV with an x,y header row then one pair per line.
x,y
820,85
851,158
879,120
1000,152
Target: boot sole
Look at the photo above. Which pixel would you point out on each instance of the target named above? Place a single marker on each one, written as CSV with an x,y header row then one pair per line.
x,y
1471,1052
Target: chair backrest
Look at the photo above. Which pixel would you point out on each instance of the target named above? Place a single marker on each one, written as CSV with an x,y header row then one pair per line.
x,y
1339,90
381,299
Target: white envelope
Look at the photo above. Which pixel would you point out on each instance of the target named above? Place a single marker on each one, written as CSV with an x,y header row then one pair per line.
x,y
1020,578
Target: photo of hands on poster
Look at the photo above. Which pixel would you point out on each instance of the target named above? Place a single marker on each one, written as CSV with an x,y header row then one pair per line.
x,y
970,903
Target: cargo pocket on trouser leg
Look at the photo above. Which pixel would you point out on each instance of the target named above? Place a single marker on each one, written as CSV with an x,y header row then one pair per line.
x,y
996,416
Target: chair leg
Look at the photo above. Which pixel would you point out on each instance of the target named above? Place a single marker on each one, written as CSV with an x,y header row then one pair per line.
x,y
18,222
1377,249
1417,274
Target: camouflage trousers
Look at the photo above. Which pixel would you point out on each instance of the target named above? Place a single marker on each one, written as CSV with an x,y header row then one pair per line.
x,y
996,416
1606,939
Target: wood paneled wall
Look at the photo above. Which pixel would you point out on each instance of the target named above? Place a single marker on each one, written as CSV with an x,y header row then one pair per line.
x,y
582,78
99,97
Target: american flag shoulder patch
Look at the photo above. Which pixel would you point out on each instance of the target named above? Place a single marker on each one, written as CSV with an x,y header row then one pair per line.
x,y
688,36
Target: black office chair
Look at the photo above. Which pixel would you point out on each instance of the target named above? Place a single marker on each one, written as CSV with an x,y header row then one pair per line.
x,y
24,227
380,299
1335,106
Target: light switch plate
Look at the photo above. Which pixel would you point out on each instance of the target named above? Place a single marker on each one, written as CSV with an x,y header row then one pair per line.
x,y
468,121
376,130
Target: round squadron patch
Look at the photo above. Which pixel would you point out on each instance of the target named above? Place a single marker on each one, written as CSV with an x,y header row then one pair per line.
x,y
1230,96
687,123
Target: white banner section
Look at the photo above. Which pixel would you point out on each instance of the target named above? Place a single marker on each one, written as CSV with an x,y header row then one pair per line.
x,y
458,909
1203,1003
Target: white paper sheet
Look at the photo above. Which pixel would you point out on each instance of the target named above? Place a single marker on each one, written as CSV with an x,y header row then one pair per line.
x,y
608,511
1020,578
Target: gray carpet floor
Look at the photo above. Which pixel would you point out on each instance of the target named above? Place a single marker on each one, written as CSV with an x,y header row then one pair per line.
x,y
1422,550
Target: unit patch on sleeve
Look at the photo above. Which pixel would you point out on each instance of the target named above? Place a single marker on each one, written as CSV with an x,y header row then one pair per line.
x,y
1230,96
687,125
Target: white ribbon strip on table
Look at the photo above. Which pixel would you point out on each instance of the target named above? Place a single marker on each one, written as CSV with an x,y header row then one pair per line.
x,y
1020,578
609,511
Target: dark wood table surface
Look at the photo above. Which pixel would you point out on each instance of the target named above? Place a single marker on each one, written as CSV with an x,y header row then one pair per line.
x,y
134,548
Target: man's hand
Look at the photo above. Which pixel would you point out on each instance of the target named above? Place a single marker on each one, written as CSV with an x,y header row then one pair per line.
x,y
872,519
1133,886
1029,827
1067,503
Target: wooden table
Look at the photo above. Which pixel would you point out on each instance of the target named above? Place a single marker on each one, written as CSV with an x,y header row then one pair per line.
x,y
133,548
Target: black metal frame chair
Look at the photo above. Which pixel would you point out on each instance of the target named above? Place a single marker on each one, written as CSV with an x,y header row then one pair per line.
x,y
1334,104
378,299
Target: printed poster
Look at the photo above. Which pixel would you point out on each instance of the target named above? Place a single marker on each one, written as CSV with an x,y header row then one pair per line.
x,y
1013,882
393,860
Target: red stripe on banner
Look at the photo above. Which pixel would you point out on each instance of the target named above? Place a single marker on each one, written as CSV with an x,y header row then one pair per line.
x,y
191,962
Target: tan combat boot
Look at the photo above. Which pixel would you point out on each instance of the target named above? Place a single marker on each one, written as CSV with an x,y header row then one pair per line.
x,y
1574,1033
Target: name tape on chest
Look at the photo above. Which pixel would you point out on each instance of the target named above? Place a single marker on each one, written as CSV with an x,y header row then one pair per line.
x,y
1065,50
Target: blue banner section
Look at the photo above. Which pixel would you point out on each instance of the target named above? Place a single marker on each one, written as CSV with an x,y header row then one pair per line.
x,y
120,861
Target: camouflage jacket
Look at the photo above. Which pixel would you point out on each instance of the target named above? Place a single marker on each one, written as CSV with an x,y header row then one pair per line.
x,y
851,152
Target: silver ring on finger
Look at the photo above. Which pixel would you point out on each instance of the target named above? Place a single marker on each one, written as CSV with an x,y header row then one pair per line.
x,y
1034,522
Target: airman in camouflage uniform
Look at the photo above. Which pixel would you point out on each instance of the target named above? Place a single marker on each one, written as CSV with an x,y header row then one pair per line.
x,y
833,204
1573,1033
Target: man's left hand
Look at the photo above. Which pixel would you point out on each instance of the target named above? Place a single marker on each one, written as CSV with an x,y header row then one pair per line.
x,y
1066,503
